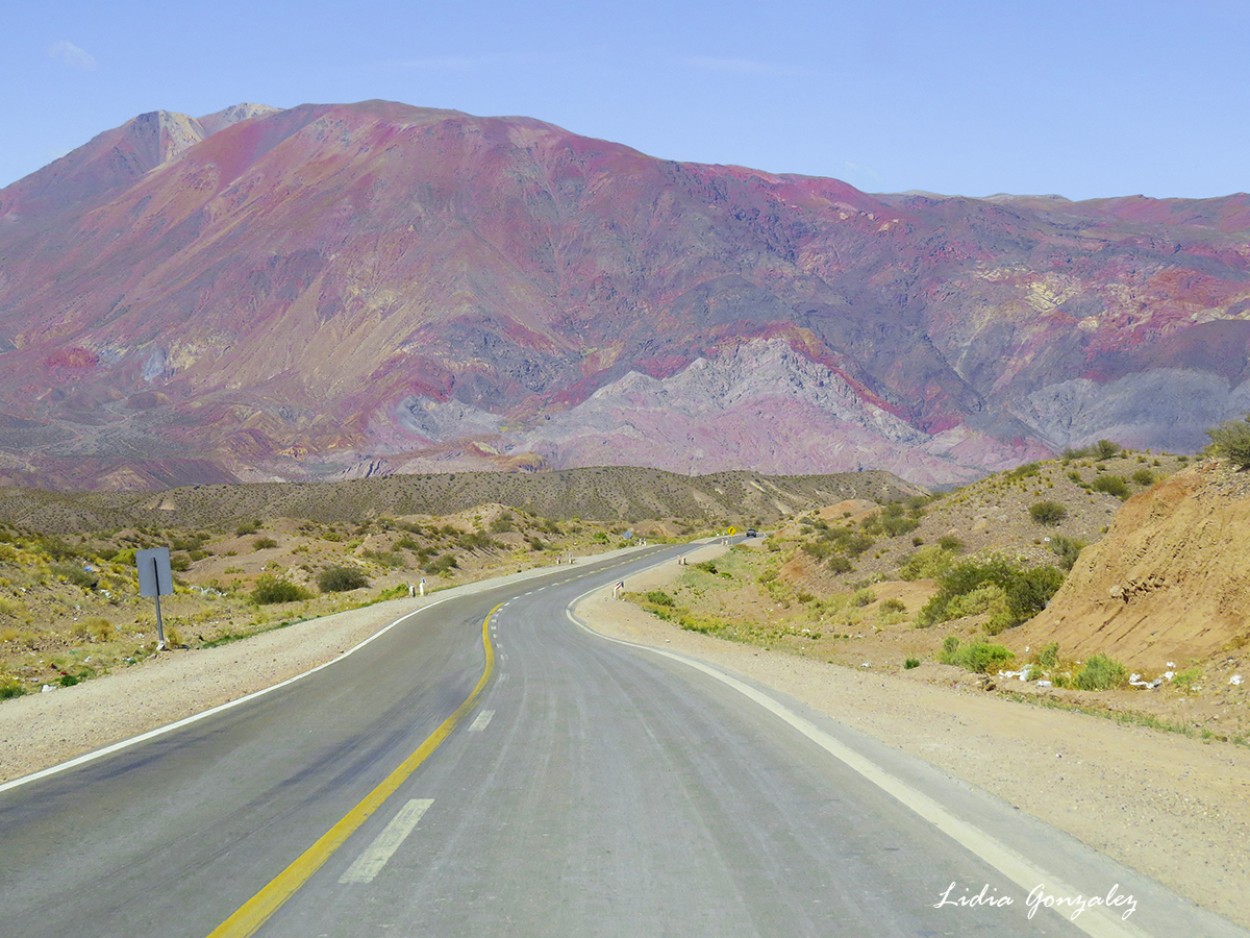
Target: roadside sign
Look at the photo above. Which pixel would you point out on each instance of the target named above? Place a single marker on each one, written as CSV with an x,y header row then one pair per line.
x,y
156,577
732,531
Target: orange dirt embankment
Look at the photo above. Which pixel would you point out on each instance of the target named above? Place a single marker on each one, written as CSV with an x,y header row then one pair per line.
x,y
1170,582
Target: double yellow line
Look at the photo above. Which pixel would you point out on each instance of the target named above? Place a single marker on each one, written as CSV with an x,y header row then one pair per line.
x,y
250,916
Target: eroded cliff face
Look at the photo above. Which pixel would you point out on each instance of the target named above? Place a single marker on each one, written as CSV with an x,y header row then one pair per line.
x,y
1169,582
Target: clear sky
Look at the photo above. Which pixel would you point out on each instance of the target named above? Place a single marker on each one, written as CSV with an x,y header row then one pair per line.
x,y
1084,99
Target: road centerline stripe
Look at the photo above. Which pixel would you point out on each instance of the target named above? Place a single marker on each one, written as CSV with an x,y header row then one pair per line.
x,y
249,917
371,860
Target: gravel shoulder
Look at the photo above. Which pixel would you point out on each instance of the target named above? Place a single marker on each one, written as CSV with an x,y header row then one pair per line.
x,y
1169,806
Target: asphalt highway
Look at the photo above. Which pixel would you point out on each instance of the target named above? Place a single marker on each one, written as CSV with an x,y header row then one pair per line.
x,y
489,768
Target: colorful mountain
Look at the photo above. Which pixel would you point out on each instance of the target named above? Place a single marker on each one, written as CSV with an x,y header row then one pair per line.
x,y
338,290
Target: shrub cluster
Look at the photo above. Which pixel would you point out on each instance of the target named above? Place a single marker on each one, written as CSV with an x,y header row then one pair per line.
x,y
272,589
341,579
1232,441
1022,592
975,656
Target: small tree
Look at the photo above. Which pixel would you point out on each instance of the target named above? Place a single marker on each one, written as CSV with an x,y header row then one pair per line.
x,y
1105,449
1048,513
1232,441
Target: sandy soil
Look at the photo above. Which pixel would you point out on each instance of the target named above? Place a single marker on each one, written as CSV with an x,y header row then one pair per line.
x,y
1172,807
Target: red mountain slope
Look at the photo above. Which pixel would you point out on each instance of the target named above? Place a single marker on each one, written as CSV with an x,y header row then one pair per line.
x,y
310,292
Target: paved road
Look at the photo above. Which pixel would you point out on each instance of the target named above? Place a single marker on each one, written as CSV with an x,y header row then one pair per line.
x,y
590,789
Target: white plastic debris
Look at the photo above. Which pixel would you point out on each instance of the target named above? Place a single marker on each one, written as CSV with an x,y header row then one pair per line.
x,y
1043,683
1235,679
1169,674
47,689
1171,664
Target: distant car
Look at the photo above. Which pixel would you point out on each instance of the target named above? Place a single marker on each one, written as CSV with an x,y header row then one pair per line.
x,y
751,532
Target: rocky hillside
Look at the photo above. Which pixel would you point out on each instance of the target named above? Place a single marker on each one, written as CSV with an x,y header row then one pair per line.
x,y
338,290
1170,582
603,494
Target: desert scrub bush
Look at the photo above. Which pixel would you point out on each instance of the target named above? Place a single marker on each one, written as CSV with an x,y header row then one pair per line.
x,y
1144,477
10,687
1100,673
264,543
926,563
1048,656
863,597
385,558
1067,549
1048,513
1105,449
1027,589
660,598
246,528
1111,485
271,589
1231,440
341,579
893,605
975,656
911,663
1187,680
444,563
950,543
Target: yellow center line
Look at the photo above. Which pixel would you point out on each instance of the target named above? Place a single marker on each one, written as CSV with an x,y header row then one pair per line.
x,y
250,916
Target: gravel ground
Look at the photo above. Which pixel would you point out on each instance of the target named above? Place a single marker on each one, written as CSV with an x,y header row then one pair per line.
x,y
1171,807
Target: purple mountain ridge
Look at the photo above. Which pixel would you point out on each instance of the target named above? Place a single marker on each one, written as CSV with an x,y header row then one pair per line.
x,y
329,290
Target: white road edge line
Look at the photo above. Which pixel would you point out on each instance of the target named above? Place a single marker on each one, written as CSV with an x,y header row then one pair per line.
x,y
371,860
186,721
1021,871
482,721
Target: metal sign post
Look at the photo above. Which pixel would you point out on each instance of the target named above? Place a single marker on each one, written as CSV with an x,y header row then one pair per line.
x,y
156,579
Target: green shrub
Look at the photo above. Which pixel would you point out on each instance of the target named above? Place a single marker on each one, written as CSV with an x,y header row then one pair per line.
x,y
1067,549
1100,673
840,564
10,687
1232,441
1027,590
1144,477
1048,513
893,605
949,542
975,656
272,589
246,528
1105,449
74,573
926,563
660,598
263,543
341,579
1111,485
442,564
911,663
1048,657
863,597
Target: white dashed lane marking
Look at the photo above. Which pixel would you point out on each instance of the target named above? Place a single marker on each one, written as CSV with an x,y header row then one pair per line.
x,y
369,864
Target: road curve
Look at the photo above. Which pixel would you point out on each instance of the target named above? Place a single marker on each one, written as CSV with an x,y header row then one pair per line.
x,y
590,788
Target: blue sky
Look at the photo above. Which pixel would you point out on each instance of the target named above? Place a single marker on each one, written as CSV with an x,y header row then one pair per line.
x,y
1083,99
